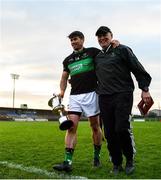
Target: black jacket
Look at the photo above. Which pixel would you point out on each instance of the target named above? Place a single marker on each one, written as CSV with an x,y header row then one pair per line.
x,y
113,70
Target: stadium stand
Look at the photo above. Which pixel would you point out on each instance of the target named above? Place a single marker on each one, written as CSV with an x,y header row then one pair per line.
x,y
12,114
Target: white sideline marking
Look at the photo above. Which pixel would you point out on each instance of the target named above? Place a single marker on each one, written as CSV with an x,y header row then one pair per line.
x,y
40,171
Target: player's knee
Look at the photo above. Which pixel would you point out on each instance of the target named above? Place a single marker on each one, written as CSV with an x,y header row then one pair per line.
x,y
72,130
95,127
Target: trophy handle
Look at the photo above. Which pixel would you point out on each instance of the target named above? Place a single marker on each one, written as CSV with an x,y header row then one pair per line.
x,y
60,99
50,102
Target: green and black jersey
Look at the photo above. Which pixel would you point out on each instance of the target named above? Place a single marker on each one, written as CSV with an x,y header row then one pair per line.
x,y
80,66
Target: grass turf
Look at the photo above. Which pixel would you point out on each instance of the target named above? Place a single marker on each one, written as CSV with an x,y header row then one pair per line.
x,y
41,144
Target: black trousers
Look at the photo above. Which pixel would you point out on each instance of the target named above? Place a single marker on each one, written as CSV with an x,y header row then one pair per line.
x,y
115,112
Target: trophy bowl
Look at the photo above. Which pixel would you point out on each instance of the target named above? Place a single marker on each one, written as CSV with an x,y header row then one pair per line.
x,y
55,103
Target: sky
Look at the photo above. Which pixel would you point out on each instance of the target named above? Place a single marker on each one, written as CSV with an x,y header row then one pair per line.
x,y
34,43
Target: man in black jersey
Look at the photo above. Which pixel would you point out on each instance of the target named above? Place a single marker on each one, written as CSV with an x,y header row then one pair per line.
x,y
83,98
115,89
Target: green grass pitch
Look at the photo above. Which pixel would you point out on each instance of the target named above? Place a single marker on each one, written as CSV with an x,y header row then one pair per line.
x,y
28,150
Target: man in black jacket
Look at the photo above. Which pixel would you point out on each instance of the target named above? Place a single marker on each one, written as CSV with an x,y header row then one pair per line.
x,y
115,89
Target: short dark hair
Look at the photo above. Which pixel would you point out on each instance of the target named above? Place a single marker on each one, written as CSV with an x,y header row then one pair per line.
x,y
75,34
103,30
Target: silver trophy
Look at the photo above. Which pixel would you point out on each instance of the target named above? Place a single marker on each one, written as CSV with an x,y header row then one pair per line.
x,y
55,103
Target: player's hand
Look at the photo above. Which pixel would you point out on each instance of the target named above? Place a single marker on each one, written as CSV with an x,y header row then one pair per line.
x,y
146,97
61,94
115,43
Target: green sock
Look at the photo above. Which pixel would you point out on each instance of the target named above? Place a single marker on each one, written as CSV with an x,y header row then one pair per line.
x,y
69,154
97,149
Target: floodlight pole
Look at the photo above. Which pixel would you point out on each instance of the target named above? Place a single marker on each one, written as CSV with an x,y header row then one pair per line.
x,y
14,77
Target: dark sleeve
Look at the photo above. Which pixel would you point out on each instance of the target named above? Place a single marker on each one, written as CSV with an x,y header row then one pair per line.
x,y
93,52
142,77
96,52
65,66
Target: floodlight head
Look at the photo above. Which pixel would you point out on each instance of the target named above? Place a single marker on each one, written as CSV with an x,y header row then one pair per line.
x,y
15,76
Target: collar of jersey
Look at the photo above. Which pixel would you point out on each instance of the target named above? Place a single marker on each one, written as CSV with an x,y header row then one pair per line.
x,y
76,52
